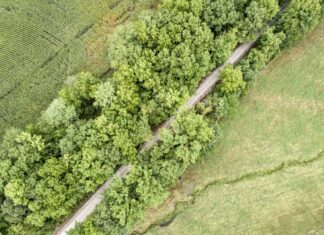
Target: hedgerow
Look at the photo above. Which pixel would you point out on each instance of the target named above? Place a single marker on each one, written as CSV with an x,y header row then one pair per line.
x,y
300,17
291,25
95,126
215,107
267,47
158,169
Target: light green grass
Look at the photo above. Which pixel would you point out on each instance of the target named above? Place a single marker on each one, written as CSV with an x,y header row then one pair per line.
x,y
258,180
290,201
43,42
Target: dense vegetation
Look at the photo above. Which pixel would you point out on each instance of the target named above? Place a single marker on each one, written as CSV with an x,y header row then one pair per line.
x,y
269,155
116,218
95,126
44,42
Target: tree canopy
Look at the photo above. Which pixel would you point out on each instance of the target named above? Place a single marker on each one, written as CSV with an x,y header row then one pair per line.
x,y
96,125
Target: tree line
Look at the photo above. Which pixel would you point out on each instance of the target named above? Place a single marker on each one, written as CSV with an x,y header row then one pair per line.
x,y
96,125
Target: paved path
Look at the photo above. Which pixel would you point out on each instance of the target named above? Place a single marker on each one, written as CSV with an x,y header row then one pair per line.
x,y
89,206
205,87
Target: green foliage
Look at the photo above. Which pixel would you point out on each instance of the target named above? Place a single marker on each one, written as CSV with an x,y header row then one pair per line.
x,y
104,94
42,43
252,146
43,182
221,15
249,17
298,19
148,180
95,126
15,190
192,6
79,92
59,114
217,106
224,46
20,154
231,81
12,213
159,60
256,15
267,47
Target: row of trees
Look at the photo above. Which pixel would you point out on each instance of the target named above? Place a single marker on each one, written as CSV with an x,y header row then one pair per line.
x,y
95,126
299,17
159,168
152,181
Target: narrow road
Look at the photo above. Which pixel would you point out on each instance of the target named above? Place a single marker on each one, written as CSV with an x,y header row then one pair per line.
x,y
89,206
205,87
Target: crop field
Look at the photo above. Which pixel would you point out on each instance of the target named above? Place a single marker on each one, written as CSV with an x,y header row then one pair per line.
x,y
44,42
265,175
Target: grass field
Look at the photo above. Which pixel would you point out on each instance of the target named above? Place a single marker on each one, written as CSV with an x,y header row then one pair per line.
x,y
43,42
266,174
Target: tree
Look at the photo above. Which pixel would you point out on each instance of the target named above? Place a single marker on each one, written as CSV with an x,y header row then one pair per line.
x,y
160,60
267,47
220,15
223,47
15,190
298,19
192,6
78,91
231,81
256,16
104,95
58,114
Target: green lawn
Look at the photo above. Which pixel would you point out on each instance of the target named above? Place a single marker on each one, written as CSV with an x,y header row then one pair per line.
x,y
43,42
266,173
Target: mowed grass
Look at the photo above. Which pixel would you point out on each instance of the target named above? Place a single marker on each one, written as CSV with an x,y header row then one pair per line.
x,y
44,42
265,175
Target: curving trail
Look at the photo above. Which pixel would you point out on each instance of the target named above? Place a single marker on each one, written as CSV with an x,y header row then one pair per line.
x,y
205,87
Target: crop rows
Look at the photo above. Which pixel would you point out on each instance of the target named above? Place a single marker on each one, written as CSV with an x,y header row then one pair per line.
x,y
42,43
